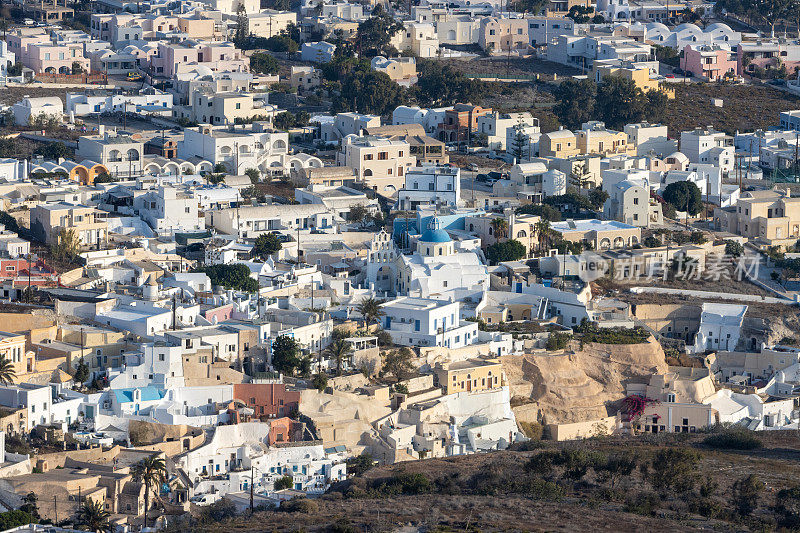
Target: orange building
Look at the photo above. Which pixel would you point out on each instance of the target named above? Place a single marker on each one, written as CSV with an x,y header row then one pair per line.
x,y
268,400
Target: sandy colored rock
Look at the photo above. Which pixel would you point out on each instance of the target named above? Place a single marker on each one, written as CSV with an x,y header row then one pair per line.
x,y
581,385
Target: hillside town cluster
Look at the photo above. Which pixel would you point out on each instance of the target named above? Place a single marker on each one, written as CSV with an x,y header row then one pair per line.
x,y
200,304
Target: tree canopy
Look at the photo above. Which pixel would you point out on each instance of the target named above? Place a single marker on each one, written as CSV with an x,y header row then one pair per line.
x,y
375,33
235,276
511,250
286,355
266,244
684,196
544,211
369,92
264,63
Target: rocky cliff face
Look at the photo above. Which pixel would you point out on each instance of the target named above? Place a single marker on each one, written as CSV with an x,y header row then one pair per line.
x,y
579,385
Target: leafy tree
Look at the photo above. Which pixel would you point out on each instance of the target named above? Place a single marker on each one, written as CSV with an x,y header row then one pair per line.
x,y
81,372
338,350
9,222
733,248
575,102
398,363
264,63
320,381
440,84
598,197
656,105
620,102
358,465
580,14
370,92
281,43
152,472
557,341
371,310
511,250
374,33
266,244
284,483
242,36
684,196
544,211
357,213
285,355
53,151
30,505
77,68
745,494
105,177
67,244
234,276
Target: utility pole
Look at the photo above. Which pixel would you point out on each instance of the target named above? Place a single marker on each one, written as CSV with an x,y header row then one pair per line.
x,y
55,507
251,489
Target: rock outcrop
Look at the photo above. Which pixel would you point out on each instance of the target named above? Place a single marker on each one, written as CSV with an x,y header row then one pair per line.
x,y
579,385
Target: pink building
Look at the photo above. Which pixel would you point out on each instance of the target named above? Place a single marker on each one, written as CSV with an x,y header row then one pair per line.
x,y
709,62
20,41
184,56
56,58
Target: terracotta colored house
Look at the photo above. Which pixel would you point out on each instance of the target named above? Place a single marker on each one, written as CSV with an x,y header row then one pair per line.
x,y
269,400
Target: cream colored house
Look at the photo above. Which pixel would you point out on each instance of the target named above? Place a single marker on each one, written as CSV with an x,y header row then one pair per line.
x,y
304,78
561,143
89,223
503,34
766,217
270,22
594,138
402,70
380,163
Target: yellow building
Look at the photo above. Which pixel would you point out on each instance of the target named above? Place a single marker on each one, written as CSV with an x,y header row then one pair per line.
x,y
559,143
639,72
471,375
594,138
12,348
770,218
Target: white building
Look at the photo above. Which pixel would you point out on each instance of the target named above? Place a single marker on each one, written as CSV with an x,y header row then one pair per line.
x,y
649,138
29,109
35,399
319,52
430,185
437,267
148,101
708,146
496,125
424,322
720,327
169,211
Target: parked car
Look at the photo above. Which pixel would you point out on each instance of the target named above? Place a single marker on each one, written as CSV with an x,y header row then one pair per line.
x,y
777,82
206,499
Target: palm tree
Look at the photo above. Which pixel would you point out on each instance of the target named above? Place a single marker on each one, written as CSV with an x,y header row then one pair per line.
x,y
152,472
371,310
93,515
7,372
500,227
338,349
543,231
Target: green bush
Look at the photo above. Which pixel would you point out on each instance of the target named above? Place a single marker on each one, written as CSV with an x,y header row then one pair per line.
x,y
300,504
734,439
405,483
16,518
643,503
558,341
284,483
219,511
